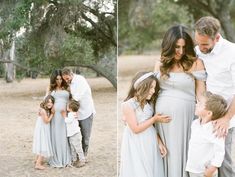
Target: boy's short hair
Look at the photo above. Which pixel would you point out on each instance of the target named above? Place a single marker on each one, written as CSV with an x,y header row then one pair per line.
x,y
66,71
74,105
216,104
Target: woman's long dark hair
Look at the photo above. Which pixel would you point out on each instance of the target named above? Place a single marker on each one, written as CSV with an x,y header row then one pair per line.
x,y
168,50
53,84
142,90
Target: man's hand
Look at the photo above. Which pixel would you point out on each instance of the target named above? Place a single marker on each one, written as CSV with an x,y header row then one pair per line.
x,y
221,126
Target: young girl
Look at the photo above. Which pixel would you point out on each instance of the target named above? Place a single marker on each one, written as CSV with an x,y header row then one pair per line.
x,y
42,140
140,156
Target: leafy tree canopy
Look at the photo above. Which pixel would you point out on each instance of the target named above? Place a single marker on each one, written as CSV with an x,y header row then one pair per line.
x,y
77,32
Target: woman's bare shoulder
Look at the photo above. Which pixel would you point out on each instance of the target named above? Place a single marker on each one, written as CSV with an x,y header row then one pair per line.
x,y
157,66
198,65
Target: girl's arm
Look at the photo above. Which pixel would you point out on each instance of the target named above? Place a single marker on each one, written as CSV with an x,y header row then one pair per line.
x,y
45,117
161,146
136,127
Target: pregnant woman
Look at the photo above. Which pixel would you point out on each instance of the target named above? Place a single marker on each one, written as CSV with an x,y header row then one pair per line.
x,y
181,76
60,146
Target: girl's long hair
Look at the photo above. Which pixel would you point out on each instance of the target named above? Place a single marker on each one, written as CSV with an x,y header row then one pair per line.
x,y
43,104
142,90
168,50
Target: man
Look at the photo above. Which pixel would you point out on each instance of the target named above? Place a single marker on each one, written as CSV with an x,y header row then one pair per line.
x,y
81,92
218,56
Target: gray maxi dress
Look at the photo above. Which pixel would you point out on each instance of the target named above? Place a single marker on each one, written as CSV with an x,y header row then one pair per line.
x,y
140,156
177,99
60,146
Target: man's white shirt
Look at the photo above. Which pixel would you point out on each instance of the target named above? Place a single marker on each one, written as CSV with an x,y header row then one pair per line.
x,y
81,92
220,68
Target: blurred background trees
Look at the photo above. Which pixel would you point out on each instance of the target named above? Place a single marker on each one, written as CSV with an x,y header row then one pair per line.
x,y
38,36
142,24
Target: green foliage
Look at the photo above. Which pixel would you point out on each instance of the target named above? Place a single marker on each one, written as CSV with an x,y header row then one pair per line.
x,y
68,2
145,27
78,49
15,15
167,14
31,53
59,33
233,13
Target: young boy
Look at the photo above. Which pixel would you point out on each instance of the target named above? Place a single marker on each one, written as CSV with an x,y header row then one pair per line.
x,y
73,133
206,151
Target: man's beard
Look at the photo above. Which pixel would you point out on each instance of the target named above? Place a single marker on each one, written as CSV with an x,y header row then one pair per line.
x,y
208,51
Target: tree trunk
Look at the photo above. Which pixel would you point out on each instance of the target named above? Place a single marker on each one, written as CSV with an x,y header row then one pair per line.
x,y
108,75
9,68
225,20
107,66
10,75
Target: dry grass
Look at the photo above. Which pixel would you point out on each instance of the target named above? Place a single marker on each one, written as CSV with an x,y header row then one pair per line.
x,y
19,103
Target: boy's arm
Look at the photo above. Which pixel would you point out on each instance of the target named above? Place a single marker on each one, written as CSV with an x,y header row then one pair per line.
x,y
210,171
219,151
216,161
68,119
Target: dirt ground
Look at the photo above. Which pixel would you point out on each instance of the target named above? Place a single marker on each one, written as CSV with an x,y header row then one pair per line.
x,y
19,103
127,67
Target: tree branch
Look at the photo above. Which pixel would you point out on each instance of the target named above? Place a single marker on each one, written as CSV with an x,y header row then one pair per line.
x,y
95,68
99,29
17,64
